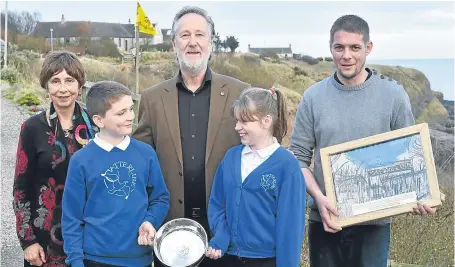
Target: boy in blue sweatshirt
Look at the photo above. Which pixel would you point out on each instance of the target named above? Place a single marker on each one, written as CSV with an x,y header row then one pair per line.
x,y
115,197
257,205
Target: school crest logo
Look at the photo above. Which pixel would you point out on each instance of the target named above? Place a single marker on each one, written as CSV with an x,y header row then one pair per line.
x,y
120,179
268,181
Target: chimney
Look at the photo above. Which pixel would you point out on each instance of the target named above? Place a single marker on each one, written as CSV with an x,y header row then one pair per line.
x,y
248,46
129,21
63,18
289,45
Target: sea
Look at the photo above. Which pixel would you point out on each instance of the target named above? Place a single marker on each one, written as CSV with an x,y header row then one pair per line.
x,y
440,72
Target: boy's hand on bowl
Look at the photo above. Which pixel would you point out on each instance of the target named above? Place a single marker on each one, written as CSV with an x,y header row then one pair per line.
x,y
146,234
213,253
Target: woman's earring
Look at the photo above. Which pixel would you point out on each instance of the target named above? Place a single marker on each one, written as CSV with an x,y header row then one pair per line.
x,y
48,97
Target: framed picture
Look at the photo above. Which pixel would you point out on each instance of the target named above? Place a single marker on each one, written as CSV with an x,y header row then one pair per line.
x,y
381,175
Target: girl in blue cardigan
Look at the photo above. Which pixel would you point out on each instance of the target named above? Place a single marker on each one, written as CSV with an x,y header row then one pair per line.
x,y
256,209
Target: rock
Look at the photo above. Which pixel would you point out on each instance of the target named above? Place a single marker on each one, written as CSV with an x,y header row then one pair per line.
x,y
426,104
439,96
443,151
449,105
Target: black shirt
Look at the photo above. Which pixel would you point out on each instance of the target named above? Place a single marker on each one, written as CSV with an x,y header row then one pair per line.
x,y
193,118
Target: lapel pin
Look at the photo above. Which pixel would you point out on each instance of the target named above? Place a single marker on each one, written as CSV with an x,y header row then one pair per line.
x,y
222,93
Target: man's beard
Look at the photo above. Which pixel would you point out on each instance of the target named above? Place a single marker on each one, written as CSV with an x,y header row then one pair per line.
x,y
348,77
354,74
194,67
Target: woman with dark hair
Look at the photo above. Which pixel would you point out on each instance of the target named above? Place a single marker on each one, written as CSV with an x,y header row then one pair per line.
x,y
46,143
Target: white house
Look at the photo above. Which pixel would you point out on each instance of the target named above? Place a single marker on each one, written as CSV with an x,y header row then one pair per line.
x,y
70,32
282,52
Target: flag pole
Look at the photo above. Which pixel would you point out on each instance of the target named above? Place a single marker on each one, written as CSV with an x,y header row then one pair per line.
x,y
137,59
5,55
144,25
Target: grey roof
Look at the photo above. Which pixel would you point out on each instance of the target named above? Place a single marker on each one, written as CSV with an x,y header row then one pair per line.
x,y
73,29
276,50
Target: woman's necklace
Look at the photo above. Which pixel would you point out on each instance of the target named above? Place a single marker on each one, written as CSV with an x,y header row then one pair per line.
x,y
67,131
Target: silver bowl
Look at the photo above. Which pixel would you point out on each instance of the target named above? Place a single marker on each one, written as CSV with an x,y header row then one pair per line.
x,y
180,243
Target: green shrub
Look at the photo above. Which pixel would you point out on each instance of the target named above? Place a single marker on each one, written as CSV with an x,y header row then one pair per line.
x,y
161,47
162,69
38,44
252,59
19,62
425,240
269,54
299,71
11,75
22,65
9,93
246,71
310,60
29,54
102,48
98,71
154,57
28,99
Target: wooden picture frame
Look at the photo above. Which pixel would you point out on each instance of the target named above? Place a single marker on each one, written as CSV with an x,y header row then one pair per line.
x,y
380,176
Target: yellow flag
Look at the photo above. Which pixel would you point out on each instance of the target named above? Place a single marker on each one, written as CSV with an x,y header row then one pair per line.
x,y
145,26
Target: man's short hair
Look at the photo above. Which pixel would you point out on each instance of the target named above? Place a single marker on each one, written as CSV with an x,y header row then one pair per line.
x,y
352,24
192,10
102,95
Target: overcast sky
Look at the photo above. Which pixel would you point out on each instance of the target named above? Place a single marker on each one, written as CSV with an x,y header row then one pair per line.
x,y
399,30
